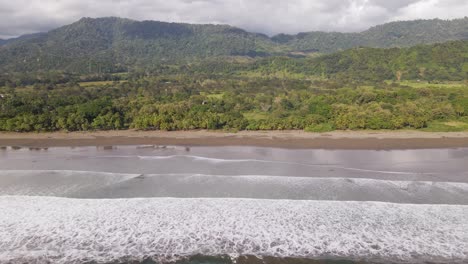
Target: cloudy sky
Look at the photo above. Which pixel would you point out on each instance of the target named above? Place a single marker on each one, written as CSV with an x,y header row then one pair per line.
x,y
266,16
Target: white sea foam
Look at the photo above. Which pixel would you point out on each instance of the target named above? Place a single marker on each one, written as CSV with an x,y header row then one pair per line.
x,y
60,230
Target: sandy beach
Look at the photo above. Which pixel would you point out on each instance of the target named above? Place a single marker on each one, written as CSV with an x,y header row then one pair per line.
x,y
280,139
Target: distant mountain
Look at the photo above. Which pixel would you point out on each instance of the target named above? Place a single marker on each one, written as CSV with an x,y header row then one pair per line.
x,y
21,38
394,34
115,44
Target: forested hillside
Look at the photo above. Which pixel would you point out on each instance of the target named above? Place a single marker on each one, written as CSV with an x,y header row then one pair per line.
x,y
437,62
109,45
446,61
114,44
443,62
394,34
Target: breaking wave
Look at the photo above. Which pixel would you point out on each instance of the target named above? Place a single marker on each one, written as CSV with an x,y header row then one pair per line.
x,y
91,185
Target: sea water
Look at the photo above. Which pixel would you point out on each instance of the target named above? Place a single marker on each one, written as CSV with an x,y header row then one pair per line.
x,y
167,204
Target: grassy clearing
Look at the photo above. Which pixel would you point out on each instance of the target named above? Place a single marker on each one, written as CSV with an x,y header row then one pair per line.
x,y
27,88
217,96
99,83
424,84
255,116
447,126
276,74
320,128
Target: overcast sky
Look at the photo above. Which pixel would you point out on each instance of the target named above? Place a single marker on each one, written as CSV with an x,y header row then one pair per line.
x,y
19,17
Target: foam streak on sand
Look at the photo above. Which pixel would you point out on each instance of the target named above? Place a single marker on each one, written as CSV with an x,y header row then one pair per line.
x,y
62,230
217,161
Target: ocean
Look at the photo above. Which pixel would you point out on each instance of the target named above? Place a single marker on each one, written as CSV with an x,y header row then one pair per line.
x,y
171,204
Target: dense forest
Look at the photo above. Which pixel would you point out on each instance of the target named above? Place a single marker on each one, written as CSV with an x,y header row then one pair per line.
x,y
183,102
444,62
438,62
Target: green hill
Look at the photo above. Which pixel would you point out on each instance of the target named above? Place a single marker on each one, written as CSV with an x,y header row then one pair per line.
x,y
437,62
441,61
112,44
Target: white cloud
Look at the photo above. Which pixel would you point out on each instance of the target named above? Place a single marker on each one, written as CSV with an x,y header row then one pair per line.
x,y
428,9
266,16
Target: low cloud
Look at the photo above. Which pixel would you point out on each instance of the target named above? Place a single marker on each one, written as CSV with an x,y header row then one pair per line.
x,y
266,16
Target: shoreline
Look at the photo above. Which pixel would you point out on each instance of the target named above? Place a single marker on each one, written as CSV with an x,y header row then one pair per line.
x,y
371,140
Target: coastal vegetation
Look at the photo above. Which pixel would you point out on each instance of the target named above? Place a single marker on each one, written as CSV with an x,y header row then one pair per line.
x,y
185,102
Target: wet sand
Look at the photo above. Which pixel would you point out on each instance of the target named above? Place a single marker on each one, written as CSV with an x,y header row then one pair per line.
x,y
378,140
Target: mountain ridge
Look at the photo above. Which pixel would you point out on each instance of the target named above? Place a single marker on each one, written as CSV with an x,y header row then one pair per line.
x,y
113,44
464,19
392,34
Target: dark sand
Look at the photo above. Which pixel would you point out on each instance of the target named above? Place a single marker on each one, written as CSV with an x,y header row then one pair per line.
x,y
378,140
